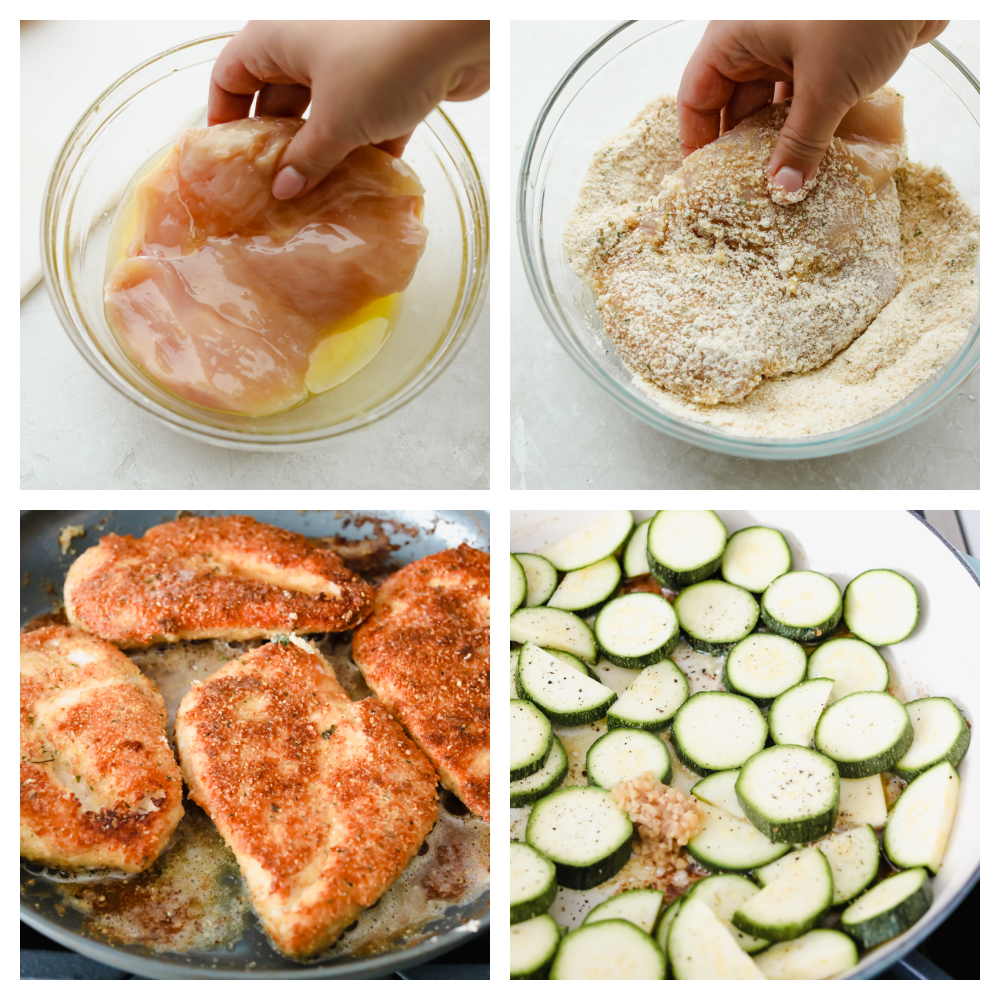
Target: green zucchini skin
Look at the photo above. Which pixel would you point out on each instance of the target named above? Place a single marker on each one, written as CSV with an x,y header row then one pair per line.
x,y
639,661
541,970
809,636
955,753
519,912
712,648
868,766
527,796
574,877
883,926
673,579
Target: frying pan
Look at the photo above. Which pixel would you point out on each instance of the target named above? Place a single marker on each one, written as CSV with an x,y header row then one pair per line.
x,y
43,569
941,657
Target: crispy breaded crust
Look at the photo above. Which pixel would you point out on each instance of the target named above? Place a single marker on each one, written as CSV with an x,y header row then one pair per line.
x,y
323,800
211,578
425,652
99,783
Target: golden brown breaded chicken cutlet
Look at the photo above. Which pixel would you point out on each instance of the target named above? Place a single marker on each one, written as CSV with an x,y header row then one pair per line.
x,y
229,578
99,784
425,652
323,801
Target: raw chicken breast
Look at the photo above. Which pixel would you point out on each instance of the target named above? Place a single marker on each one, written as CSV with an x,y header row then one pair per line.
x,y
224,290
724,282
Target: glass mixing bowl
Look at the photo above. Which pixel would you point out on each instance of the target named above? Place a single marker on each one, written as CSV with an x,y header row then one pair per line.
x,y
597,98
146,110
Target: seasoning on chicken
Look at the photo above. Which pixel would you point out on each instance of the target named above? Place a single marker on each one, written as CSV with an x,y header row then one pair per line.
x,y
99,784
224,292
227,578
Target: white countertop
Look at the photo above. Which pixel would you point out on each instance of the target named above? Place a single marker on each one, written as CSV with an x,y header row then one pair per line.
x,y
567,434
77,432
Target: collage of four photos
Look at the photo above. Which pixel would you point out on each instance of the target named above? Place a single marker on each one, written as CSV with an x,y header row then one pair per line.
x,y
256,266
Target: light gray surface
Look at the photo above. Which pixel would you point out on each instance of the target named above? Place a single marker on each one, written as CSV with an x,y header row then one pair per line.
x,y
567,434
77,432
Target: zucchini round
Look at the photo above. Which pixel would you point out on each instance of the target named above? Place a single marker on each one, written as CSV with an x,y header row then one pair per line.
x,y
566,696
684,546
881,607
716,731
727,844
612,949
532,882
762,666
891,907
584,832
663,925
637,630
533,945
793,715
634,562
917,831
624,754
940,733
585,590
541,578
530,739
651,700
802,605
865,733
714,615
719,790
790,793
853,665
547,779
596,541
518,585
820,954
724,895
755,557
552,628
638,906
699,946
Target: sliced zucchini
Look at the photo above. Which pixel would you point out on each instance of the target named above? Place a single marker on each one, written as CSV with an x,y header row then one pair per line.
x,y
547,779
763,666
852,664
624,754
853,857
716,731
573,661
802,605
725,894
651,700
793,715
888,909
700,947
865,733
684,546
714,615
597,541
820,954
719,790
584,832
565,695
790,793
862,802
518,585
637,630
532,882
634,561
585,590
881,607
727,844
793,903
666,919
755,557
533,945
940,733
541,578
554,629
919,825
514,655
612,949
530,739
638,906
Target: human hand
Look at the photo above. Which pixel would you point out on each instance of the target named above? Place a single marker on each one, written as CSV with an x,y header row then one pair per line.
x,y
742,66
370,82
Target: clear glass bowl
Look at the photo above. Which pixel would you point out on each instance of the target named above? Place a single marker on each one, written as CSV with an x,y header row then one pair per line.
x,y
599,95
146,110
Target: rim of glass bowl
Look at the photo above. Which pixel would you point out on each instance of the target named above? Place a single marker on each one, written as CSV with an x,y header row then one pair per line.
x,y
903,415
474,215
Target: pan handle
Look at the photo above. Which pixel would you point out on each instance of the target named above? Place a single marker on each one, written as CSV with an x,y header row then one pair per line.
x,y
914,966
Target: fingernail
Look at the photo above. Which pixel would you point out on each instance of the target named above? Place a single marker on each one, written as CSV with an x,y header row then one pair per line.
x,y
290,182
787,177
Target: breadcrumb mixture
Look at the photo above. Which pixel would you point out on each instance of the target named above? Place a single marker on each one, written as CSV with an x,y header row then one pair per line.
x,y
610,244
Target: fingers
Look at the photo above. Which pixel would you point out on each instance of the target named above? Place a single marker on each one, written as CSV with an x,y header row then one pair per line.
x,y
316,149
931,29
226,107
805,137
747,98
702,95
283,100
395,147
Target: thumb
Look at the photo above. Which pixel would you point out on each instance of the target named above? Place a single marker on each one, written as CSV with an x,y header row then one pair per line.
x,y
309,157
804,139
